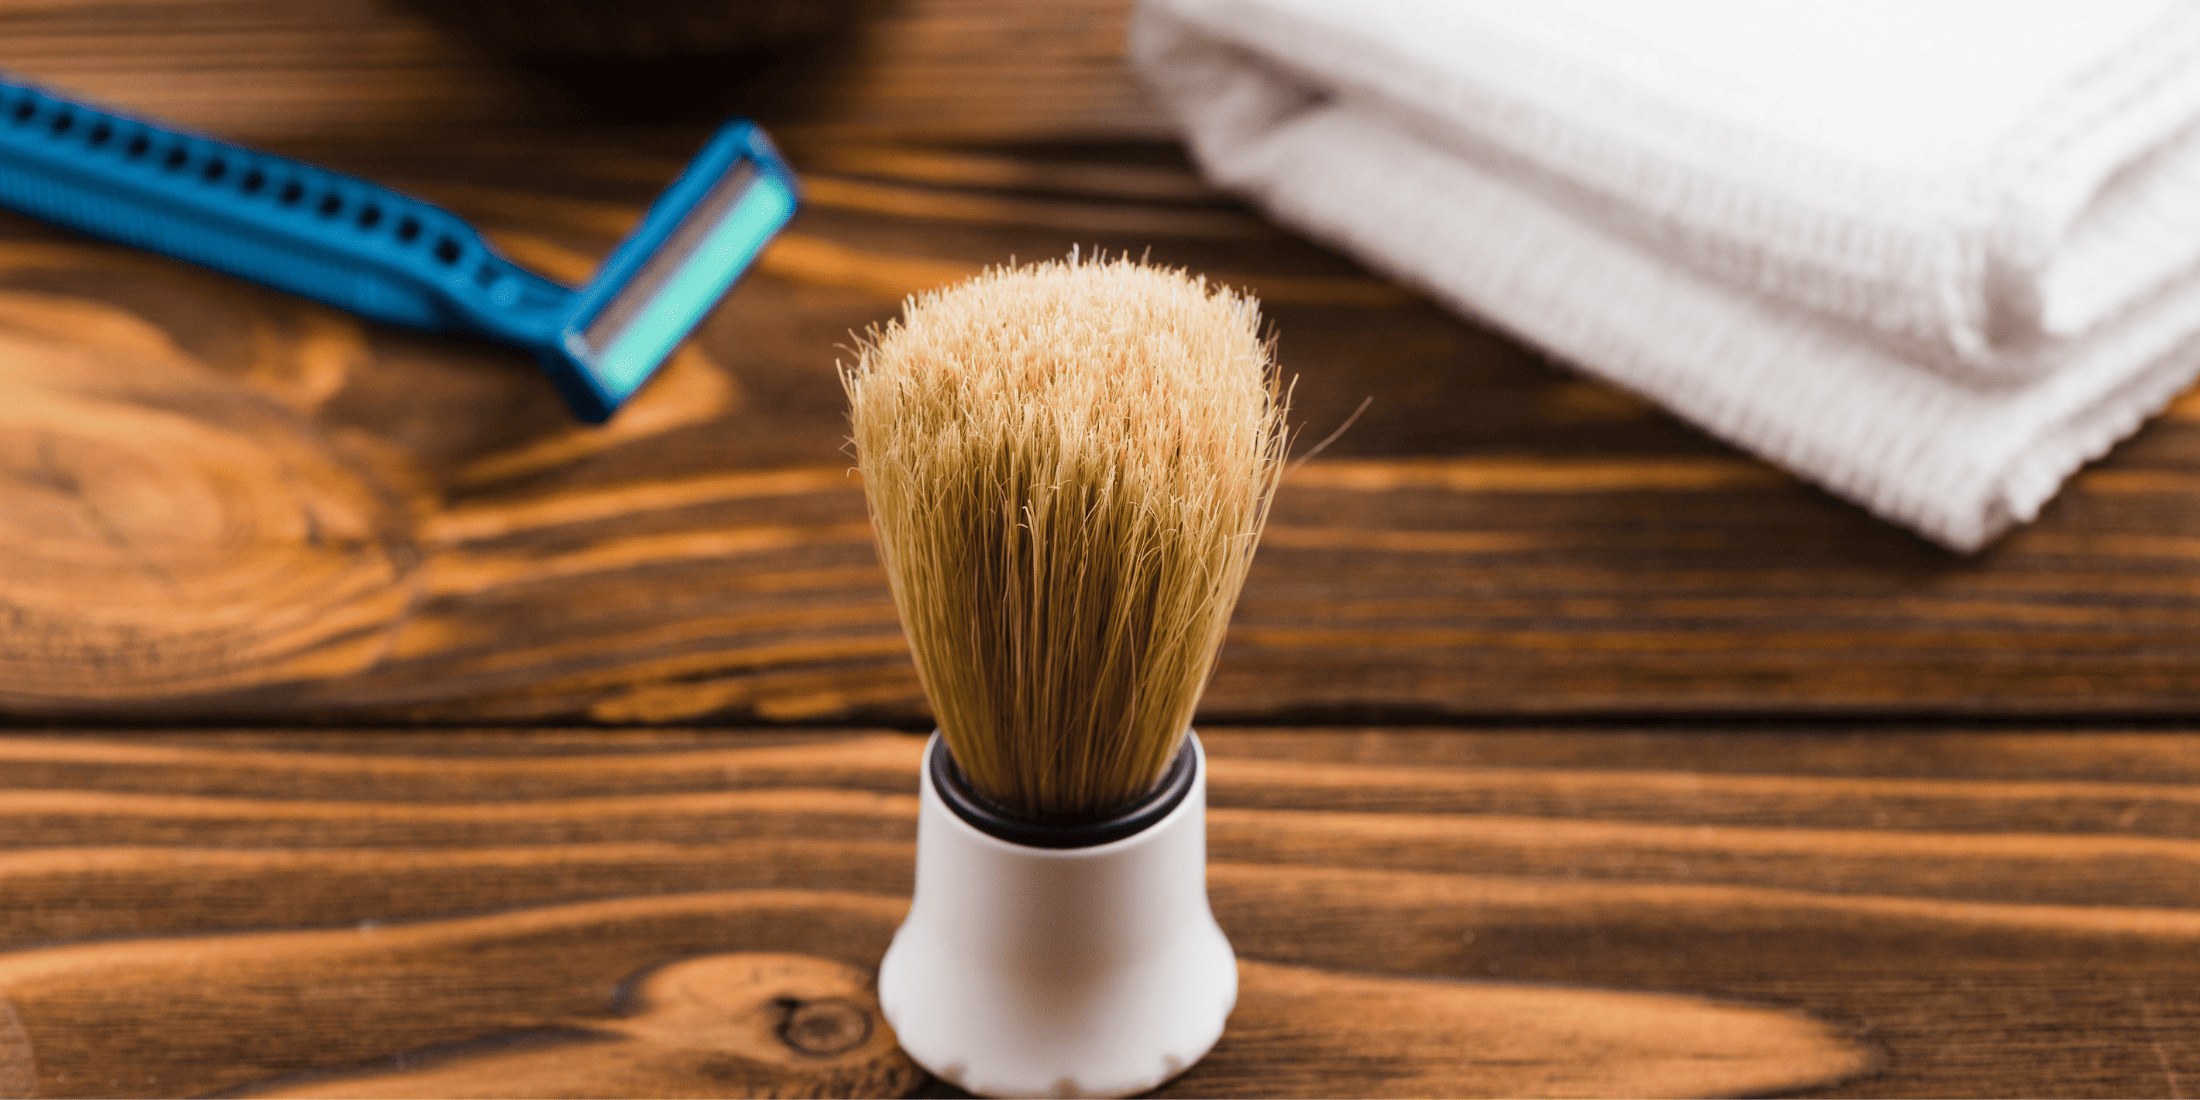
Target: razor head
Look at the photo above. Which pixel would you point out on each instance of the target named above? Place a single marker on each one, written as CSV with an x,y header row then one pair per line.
x,y
696,240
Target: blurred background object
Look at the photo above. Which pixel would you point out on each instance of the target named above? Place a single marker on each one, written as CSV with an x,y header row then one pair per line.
x,y
644,28
277,71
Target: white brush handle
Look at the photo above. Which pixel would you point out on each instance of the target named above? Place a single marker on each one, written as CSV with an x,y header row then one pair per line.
x,y
1026,971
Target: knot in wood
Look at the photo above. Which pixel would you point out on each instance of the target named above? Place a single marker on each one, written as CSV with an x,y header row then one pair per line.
x,y
823,1027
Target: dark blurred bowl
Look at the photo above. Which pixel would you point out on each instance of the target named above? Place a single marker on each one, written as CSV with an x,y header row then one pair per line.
x,y
640,29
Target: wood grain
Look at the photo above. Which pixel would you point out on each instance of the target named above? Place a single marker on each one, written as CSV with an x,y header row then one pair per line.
x,y
1439,1038
224,503
714,1025
393,913
1770,852
1433,912
560,1000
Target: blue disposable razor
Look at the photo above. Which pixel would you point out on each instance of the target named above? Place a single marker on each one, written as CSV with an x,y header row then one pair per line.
x,y
362,247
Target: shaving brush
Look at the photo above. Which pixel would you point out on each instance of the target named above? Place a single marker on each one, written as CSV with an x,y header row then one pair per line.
x,y
1068,466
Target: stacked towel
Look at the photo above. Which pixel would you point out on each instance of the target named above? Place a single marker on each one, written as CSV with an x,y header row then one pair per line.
x,y
1931,254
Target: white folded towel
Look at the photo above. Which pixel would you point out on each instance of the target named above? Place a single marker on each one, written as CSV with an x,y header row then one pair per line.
x,y
1933,254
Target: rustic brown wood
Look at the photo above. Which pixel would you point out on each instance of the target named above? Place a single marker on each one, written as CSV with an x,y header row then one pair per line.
x,y
716,1025
225,505
1437,1036
224,502
456,913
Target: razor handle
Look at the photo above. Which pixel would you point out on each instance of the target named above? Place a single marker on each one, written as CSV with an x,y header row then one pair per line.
x,y
323,235
364,248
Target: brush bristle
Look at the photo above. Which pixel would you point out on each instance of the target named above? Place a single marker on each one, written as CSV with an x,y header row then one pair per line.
x,y
1068,467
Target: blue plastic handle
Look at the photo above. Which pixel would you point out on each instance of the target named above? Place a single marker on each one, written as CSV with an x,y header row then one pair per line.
x,y
364,248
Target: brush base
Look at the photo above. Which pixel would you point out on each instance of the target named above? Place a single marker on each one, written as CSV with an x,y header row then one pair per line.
x,y
1059,971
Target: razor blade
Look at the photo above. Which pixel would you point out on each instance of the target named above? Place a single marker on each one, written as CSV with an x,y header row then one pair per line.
x,y
365,248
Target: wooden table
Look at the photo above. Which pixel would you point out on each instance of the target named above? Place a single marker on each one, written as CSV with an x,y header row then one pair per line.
x,y
377,731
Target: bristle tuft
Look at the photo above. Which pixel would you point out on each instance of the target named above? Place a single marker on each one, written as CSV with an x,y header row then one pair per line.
x,y
1068,466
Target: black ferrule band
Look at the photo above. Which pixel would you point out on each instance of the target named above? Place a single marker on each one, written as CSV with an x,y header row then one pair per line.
x,y
992,820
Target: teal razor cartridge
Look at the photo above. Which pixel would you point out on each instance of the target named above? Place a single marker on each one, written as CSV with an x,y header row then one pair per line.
x,y
370,250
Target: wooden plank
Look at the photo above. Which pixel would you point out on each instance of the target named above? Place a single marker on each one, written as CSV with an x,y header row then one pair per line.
x,y
225,503
620,1011
410,914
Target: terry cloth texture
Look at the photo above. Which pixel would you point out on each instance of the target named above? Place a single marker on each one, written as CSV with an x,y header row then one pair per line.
x,y
1931,254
